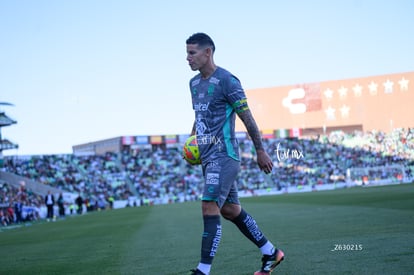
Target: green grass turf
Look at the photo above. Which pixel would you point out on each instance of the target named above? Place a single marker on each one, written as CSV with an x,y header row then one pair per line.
x,y
166,239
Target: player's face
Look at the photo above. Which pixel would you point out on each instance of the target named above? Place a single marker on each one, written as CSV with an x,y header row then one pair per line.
x,y
197,56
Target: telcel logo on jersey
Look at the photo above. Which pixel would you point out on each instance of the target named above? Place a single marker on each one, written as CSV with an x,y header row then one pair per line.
x,y
201,107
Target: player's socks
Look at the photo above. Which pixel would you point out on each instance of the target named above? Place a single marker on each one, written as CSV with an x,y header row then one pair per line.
x,y
267,249
248,226
205,268
211,239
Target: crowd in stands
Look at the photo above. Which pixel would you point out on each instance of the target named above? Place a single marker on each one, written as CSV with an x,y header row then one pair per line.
x,y
18,205
326,159
162,176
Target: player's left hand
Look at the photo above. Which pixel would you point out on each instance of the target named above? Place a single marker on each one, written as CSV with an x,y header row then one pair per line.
x,y
264,161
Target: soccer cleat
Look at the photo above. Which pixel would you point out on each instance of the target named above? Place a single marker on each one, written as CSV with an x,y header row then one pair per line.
x,y
196,272
269,262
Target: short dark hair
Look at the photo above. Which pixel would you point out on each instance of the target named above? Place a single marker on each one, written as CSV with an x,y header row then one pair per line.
x,y
201,39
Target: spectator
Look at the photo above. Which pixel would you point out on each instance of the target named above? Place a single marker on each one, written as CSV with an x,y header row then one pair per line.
x,y
50,203
4,218
18,210
61,205
79,204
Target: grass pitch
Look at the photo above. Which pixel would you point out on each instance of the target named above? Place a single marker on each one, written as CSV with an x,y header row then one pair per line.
x,y
350,231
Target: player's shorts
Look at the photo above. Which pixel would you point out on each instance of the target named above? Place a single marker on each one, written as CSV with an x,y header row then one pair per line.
x,y
220,181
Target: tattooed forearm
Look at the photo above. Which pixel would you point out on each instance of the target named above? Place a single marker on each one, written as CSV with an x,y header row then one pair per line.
x,y
252,129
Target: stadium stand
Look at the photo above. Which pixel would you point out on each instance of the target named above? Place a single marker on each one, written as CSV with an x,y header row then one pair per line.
x,y
161,176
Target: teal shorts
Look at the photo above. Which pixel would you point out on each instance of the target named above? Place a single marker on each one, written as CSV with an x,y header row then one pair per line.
x,y
220,183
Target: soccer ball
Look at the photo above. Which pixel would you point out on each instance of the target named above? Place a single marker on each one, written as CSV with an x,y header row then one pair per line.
x,y
190,151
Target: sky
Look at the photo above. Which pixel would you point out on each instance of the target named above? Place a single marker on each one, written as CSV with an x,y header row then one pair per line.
x,y
79,71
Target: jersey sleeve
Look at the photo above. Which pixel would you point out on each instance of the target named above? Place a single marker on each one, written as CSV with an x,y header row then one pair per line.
x,y
235,94
193,90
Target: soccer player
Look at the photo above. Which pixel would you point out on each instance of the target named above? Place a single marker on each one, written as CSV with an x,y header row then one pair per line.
x,y
217,96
